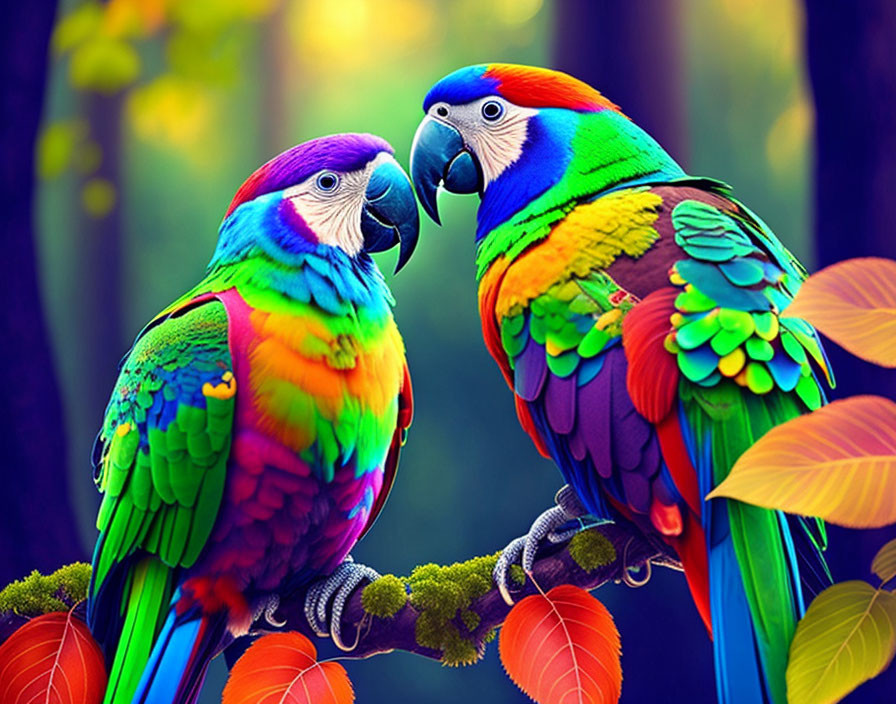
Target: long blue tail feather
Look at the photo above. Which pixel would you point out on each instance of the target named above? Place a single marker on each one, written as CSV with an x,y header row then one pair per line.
x,y
181,655
739,676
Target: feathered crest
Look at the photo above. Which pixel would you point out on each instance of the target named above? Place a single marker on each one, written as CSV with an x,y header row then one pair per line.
x,y
339,152
527,86
534,87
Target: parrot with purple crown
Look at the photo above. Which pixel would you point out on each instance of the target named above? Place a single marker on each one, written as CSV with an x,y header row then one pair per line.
x,y
637,313
254,431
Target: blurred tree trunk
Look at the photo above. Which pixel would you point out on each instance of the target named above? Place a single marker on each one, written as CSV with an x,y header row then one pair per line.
x,y
101,267
852,66
630,52
37,524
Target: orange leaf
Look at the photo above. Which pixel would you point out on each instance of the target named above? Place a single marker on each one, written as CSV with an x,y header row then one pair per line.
x,y
838,462
282,668
563,648
53,659
854,304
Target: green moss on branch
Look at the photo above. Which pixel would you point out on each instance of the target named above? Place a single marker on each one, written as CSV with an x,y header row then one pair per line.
x,y
385,597
442,596
39,594
590,549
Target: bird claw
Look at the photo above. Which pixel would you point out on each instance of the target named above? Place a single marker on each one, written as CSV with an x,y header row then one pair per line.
x,y
522,550
558,524
567,499
266,609
336,589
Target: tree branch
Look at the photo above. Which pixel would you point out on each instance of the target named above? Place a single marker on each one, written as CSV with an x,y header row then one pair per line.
x,y
404,630
444,613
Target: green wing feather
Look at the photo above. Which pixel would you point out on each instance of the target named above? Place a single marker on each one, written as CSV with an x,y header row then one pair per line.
x,y
737,280
166,439
161,460
745,371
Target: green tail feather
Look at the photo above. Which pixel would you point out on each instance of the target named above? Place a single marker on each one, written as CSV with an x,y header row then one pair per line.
x,y
147,598
764,567
735,421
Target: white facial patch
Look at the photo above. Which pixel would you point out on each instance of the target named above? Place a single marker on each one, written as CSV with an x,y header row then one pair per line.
x,y
497,143
335,215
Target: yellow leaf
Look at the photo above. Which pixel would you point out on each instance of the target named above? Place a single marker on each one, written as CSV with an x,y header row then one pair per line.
x,y
854,304
98,197
847,636
838,462
517,12
171,109
884,563
77,26
104,65
133,18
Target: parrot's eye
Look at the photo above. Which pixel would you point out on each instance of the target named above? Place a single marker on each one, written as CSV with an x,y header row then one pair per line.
x,y
492,110
327,182
442,111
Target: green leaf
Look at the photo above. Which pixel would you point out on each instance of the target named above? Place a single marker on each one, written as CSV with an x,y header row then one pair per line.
x,y
77,26
209,58
847,636
884,563
104,65
56,147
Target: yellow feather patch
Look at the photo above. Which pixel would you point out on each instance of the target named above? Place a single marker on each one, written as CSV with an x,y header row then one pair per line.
x,y
608,318
223,391
732,363
590,237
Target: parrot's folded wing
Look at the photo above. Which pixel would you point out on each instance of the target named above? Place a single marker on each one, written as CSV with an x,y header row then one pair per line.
x,y
161,455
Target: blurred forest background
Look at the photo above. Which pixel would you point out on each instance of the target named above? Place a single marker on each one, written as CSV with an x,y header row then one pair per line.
x,y
140,118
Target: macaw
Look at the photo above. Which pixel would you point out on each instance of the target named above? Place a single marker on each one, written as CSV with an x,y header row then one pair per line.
x,y
636,313
254,431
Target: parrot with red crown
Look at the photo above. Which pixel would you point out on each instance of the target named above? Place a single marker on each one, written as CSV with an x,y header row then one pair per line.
x,y
254,431
637,314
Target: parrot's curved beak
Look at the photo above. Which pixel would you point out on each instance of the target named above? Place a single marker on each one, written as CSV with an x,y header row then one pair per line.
x,y
390,214
440,157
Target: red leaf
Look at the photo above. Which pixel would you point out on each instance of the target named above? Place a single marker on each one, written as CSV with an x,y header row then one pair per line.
x,y
52,659
282,668
563,648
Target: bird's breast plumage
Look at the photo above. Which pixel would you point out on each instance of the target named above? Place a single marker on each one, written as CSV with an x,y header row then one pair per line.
x,y
315,414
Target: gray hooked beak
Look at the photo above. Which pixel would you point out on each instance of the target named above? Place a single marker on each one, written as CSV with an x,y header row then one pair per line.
x,y
439,156
390,214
